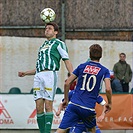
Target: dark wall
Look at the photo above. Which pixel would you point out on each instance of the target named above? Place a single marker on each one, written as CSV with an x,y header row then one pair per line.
x,y
81,18
99,14
26,12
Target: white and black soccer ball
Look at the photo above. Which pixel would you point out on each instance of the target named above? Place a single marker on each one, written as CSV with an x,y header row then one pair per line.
x,y
47,15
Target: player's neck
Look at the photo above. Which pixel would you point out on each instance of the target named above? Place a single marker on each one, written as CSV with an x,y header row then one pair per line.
x,y
50,38
95,60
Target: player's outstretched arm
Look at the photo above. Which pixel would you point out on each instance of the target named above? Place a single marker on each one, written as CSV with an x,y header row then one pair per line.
x,y
30,72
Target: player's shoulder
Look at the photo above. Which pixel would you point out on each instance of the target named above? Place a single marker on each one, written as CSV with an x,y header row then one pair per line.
x,y
103,67
82,65
59,41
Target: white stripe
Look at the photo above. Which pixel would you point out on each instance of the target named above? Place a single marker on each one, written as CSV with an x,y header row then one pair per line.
x,y
49,54
83,106
62,52
44,56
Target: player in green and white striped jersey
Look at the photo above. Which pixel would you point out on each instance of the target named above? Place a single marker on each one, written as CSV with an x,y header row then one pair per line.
x,y
50,54
45,79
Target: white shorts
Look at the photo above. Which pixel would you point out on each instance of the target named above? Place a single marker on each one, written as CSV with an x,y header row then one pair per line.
x,y
45,84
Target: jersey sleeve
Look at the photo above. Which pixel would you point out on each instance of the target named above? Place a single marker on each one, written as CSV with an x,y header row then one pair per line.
x,y
100,100
69,95
63,51
107,74
76,71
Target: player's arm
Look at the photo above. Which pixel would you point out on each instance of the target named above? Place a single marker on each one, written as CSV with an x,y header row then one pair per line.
x,y
66,88
30,72
101,117
108,94
65,57
69,66
102,102
60,108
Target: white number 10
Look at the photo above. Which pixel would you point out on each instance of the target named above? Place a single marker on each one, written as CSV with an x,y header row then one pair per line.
x,y
87,81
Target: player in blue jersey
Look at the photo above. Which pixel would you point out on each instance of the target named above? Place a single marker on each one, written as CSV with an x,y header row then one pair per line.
x,y
80,127
90,76
45,80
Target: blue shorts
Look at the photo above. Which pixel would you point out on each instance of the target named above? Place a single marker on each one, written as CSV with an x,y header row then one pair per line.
x,y
80,127
74,114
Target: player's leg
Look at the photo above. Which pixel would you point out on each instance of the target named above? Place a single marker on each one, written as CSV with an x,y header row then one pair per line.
x,y
48,115
89,119
98,129
68,130
40,115
50,85
78,128
39,104
61,130
93,130
44,120
69,119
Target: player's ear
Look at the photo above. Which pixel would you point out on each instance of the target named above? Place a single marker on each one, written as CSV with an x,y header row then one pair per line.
x,y
56,32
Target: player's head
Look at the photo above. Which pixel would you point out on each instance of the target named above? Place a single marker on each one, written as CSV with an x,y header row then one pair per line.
x,y
95,52
56,27
51,30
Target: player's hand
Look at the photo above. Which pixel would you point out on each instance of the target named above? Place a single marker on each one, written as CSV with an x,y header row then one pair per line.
x,y
107,108
21,74
58,113
100,118
64,103
60,108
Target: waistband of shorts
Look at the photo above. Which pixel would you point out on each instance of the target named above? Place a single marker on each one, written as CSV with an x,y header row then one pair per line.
x,y
92,109
46,70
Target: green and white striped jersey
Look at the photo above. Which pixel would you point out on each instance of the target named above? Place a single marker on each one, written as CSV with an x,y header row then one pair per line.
x,y
50,54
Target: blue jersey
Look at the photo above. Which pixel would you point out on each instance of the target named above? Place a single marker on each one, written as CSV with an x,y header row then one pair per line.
x,y
90,78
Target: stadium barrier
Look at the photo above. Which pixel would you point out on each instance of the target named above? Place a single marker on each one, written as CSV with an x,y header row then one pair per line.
x,y
18,112
121,115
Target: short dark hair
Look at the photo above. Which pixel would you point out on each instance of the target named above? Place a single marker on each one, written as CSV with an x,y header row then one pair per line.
x,y
56,27
95,52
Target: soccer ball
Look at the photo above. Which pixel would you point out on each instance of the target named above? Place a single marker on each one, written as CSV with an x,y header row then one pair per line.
x,y
47,15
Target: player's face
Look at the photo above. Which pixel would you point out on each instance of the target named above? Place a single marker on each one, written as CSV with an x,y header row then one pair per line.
x,y
49,32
